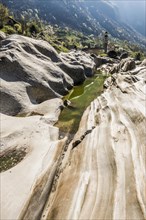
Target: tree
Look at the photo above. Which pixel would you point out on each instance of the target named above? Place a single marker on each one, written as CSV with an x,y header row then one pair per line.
x,y
30,22
33,28
4,12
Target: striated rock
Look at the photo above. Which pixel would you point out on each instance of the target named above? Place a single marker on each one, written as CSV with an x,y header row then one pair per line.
x,y
127,64
25,186
30,154
105,69
114,69
97,174
124,66
104,168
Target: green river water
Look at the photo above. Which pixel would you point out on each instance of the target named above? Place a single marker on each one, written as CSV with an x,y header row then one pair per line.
x,y
80,98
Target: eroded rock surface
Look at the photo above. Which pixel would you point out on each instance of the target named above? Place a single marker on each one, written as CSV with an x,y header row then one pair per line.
x,y
100,174
34,77
80,58
30,153
32,72
125,65
104,169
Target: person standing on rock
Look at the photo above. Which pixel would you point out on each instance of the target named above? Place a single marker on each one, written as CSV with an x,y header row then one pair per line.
x,y
105,41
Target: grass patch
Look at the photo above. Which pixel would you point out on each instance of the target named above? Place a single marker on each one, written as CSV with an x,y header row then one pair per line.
x,y
11,159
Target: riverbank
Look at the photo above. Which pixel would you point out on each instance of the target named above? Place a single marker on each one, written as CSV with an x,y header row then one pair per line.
x,y
76,159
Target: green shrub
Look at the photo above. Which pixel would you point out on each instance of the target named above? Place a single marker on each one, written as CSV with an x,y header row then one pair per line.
x,y
18,28
60,48
9,29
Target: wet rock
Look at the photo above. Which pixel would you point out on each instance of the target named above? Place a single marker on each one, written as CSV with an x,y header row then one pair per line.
x,y
67,103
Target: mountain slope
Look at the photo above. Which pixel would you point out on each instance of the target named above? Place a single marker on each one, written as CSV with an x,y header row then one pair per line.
x,y
133,13
90,17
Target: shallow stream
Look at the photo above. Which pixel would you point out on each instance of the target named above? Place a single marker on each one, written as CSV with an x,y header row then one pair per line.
x,y
80,98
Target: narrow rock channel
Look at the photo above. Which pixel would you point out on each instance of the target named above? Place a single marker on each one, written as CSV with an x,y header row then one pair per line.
x,y
103,177
89,163
79,99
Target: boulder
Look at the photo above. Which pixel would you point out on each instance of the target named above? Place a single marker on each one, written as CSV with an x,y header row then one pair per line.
x,y
124,66
76,72
127,64
80,58
102,60
112,54
32,72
